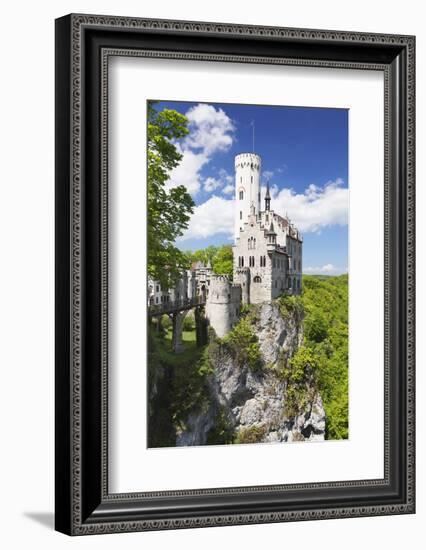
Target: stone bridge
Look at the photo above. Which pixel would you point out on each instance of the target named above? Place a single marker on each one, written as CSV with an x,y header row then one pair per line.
x,y
177,310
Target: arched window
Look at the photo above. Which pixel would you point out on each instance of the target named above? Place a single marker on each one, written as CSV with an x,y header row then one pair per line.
x,y
254,242
241,195
241,215
257,279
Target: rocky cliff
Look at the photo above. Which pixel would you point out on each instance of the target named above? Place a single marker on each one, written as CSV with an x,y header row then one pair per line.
x,y
248,399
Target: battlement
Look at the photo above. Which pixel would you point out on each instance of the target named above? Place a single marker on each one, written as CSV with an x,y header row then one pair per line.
x,y
220,278
252,160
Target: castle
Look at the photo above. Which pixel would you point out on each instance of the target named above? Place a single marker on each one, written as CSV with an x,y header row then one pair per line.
x,y
267,256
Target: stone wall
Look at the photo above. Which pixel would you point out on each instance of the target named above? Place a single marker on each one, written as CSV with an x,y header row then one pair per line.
x,y
223,304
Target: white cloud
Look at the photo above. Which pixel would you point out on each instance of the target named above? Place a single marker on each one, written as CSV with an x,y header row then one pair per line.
x,y
210,131
316,208
228,189
327,269
311,211
227,178
210,184
267,174
212,217
187,173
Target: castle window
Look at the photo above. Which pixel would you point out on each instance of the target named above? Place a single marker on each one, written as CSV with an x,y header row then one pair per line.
x,y
156,300
241,195
241,215
157,288
251,179
257,279
241,179
254,243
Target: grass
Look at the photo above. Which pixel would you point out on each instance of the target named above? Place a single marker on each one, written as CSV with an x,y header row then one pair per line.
x,y
188,337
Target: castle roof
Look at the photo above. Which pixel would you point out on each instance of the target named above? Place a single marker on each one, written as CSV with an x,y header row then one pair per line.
x,y
267,196
271,230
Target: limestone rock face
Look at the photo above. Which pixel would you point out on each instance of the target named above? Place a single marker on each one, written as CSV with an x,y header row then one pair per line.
x,y
254,403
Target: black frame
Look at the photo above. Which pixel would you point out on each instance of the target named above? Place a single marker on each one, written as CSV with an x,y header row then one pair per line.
x,y
83,45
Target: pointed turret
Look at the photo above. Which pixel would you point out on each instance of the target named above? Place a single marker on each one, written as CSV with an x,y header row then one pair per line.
x,y
271,230
267,199
272,236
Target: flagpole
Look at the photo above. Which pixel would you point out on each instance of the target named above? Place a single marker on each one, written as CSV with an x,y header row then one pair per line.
x,y
252,123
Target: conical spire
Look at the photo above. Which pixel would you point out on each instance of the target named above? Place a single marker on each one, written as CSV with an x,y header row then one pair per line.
x,y
267,198
271,230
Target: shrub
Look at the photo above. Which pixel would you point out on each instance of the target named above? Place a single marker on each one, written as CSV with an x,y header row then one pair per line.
x,y
222,431
291,306
166,322
252,434
244,345
189,322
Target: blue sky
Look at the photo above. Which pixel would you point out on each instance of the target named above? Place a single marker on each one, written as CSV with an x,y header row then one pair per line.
x,y
304,154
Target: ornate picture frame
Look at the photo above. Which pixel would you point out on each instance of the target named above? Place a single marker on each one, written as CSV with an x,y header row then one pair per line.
x,y
84,44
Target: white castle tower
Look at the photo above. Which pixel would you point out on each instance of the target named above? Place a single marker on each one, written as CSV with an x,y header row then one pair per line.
x,y
247,187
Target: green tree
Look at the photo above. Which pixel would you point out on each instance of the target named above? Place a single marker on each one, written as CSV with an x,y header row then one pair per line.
x,y
223,261
169,209
325,301
204,255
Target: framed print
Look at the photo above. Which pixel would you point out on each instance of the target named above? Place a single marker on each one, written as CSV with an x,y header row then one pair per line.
x,y
234,274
